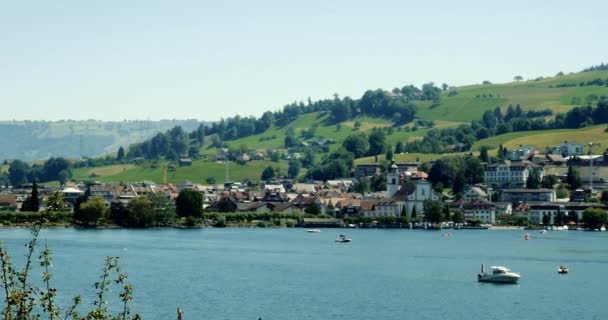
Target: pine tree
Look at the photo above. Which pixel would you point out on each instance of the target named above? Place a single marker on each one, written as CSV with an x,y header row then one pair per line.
x,y
446,213
32,202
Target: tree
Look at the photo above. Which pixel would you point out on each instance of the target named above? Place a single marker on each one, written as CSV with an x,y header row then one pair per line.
x,y
377,142
312,208
399,147
549,181
268,173
120,155
533,181
446,213
141,213
389,153
404,211
357,125
546,219
189,203
594,218
483,154
573,178
361,186
163,209
413,213
559,218
604,197
32,202
357,144
17,171
518,78
92,212
458,218
444,86
293,169
432,211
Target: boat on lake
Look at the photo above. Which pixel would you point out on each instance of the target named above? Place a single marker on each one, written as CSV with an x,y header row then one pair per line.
x,y
562,270
343,238
498,274
313,230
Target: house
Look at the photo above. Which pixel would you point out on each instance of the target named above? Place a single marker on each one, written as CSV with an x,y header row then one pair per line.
x,y
305,187
528,195
8,202
567,149
274,188
185,162
510,174
571,211
71,194
107,192
520,153
367,170
222,155
474,194
256,155
481,210
252,207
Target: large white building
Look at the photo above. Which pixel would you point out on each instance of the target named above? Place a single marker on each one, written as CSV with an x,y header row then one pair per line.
x,y
510,174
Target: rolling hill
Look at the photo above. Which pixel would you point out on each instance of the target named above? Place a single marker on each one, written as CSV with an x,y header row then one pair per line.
x,y
457,106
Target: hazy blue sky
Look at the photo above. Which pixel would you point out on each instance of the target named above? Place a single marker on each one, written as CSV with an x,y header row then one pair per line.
x,y
114,60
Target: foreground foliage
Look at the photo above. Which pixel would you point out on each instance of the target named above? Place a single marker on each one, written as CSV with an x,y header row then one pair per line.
x,y
23,300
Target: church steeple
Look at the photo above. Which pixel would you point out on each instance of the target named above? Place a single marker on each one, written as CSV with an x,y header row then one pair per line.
x,y
392,179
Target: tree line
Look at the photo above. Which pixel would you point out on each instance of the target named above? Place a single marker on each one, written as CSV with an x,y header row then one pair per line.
x,y
495,122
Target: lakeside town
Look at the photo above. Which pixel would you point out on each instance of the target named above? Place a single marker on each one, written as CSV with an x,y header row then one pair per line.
x,y
515,192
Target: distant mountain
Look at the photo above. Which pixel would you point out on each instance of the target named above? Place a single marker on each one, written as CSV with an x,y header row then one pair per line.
x,y
36,140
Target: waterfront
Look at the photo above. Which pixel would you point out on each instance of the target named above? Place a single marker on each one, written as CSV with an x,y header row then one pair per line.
x,y
291,274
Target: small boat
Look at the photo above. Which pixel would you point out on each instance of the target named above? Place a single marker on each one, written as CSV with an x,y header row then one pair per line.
x,y
498,275
313,230
343,238
562,270
543,231
527,236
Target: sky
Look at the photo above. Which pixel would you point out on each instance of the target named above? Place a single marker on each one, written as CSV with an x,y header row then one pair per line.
x,y
207,60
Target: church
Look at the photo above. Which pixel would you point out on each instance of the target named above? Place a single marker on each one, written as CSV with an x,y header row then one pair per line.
x,y
403,193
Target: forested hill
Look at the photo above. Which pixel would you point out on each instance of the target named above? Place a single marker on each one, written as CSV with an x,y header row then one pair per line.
x,y
35,140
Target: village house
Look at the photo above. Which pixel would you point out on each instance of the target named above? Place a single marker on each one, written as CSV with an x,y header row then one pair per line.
x,y
567,149
510,174
520,153
481,210
8,202
475,193
571,211
528,195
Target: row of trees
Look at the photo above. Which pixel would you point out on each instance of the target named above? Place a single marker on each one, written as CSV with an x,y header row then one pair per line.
x,y
494,122
20,172
140,212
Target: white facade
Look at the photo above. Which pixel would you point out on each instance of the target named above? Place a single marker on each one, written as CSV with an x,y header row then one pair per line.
x,y
567,149
510,173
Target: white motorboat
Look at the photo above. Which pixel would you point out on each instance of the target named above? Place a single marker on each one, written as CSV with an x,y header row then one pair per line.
x,y
498,274
343,238
543,231
313,230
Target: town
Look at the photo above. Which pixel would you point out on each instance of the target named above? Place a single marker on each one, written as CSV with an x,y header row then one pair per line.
x,y
555,187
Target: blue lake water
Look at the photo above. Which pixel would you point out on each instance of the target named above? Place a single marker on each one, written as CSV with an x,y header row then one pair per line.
x,y
291,274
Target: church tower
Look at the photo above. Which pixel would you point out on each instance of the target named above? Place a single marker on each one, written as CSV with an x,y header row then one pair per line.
x,y
392,180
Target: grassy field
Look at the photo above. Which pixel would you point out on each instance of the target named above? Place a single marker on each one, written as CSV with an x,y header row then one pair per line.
x,y
198,172
543,139
531,95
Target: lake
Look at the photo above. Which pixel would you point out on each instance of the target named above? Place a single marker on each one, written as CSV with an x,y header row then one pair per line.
x,y
291,274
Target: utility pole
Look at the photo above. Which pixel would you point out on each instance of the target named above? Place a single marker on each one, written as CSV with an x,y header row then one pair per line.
x,y
591,145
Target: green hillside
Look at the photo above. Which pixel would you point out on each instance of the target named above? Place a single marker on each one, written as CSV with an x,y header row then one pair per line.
x,y
197,173
469,103
531,95
547,138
